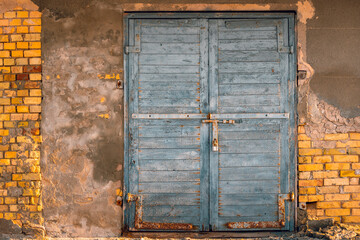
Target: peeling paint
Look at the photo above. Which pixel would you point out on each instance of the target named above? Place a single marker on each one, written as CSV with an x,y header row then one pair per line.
x,y
306,10
9,5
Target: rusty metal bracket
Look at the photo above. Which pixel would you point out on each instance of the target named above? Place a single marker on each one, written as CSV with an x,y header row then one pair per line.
x,y
267,224
140,224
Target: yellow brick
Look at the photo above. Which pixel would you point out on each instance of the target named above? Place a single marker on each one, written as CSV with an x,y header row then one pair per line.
x,y
4,85
322,159
9,124
22,61
337,136
4,101
351,204
5,69
9,30
16,69
301,129
9,46
9,62
310,190
9,14
355,136
32,100
35,92
10,184
17,53
22,45
337,212
337,197
4,162
35,45
334,151
337,166
35,14
329,189
23,124
310,167
35,61
16,101
32,176
304,175
336,181
310,151
9,216
348,144
354,189
355,166
315,198
354,151
31,192
349,173
9,77
10,154
304,159
304,144
328,205
354,181
17,177
355,212
346,158
303,137
4,54
22,30
16,38
32,53
35,29
32,21
350,219
22,14
32,37
14,208
4,38
15,22
10,200
22,109
22,93
9,109
310,183
4,22
35,109
35,76
303,198
325,174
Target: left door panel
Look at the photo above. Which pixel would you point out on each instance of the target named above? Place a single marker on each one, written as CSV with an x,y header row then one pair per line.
x,y
167,155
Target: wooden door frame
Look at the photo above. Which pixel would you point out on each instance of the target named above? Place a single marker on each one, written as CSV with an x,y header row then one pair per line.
x,y
293,120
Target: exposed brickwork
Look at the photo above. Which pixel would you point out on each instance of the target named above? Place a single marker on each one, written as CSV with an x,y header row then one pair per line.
x,y
329,177
20,99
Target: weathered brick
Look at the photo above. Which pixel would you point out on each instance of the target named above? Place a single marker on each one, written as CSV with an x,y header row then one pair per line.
x,y
355,189
337,212
310,151
348,173
333,151
10,200
304,175
346,158
310,183
32,69
304,144
354,136
22,14
350,219
32,53
354,151
303,137
336,181
35,76
328,205
348,144
355,211
310,167
322,159
32,100
32,176
337,197
304,159
32,84
310,190
10,154
325,174
315,198
354,181
336,136
22,29
32,21
351,204
337,166
355,166
329,189
9,14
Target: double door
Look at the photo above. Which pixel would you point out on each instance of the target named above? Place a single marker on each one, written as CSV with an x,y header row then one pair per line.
x,y
210,123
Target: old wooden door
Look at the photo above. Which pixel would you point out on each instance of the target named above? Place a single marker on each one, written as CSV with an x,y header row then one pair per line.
x,y
210,122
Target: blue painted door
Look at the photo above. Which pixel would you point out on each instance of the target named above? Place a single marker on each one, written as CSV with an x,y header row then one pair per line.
x,y
210,124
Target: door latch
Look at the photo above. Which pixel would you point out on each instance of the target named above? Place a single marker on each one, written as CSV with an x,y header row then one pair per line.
x,y
215,131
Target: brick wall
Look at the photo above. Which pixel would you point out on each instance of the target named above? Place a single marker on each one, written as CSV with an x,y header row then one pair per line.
x,y
329,177
20,99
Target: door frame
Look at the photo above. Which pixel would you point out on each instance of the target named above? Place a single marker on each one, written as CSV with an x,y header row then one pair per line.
x,y
293,120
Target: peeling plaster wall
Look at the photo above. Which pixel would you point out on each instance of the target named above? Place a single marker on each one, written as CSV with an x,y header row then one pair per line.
x,y
82,150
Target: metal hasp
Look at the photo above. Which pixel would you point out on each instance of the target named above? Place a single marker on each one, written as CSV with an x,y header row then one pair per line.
x,y
267,224
140,224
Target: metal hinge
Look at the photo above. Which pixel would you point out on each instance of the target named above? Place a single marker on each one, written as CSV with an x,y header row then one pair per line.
x,y
283,49
132,49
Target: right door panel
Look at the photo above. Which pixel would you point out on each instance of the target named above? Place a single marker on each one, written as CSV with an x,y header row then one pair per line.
x,y
249,74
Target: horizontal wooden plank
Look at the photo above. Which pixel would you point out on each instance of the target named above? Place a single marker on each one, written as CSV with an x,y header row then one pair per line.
x,y
264,100
250,109
248,24
158,102
247,173
166,154
250,88
239,33
248,211
171,199
169,94
165,59
169,22
249,56
169,143
248,199
157,38
249,159
251,125
234,78
248,146
170,48
169,176
223,220
239,187
169,131
169,187
249,67
169,165
167,109
169,77
193,220
258,45
168,69
172,30
171,211
166,86
266,135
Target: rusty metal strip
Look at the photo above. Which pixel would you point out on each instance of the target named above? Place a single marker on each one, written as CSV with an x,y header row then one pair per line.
x,y
266,224
140,224
169,116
